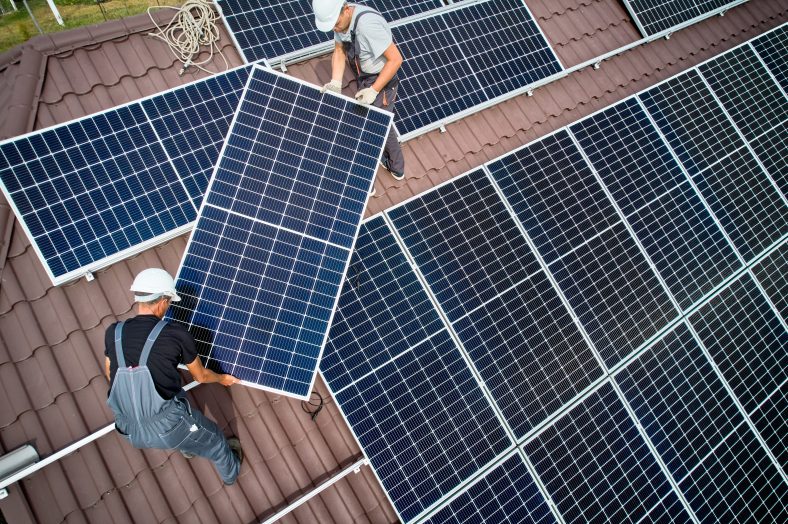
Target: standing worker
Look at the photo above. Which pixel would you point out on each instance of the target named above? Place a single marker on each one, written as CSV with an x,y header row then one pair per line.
x,y
362,38
150,406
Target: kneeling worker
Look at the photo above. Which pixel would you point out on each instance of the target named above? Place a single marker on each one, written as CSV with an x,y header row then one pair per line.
x,y
362,38
146,396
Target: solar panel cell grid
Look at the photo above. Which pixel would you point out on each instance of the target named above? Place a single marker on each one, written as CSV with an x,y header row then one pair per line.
x,y
92,188
465,242
658,15
529,352
771,421
554,194
771,48
746,340
614,293
507,494
424,423
745,202
383,309
772,275
694,124
737,483
680,401
771,148
747,91
595,464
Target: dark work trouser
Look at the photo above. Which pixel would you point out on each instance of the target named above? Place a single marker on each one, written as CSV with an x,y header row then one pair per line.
x,y
392,150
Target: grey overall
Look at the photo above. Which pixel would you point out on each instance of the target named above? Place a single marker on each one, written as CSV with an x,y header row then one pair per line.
x,y
148,421
385,99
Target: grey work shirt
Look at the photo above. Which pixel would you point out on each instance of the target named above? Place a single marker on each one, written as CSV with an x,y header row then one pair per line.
x,y
374,37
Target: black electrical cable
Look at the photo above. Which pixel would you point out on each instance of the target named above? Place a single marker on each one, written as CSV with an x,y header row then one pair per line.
x,y
316,403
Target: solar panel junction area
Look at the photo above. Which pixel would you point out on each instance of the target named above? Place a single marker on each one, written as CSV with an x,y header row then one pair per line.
x,y
264,266
95,190
591,327
654,16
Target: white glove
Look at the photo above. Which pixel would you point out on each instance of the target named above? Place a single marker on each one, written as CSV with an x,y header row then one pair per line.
x,y
335,86
366,96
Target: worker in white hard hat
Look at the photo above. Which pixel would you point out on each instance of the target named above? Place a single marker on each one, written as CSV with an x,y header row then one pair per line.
x,y
146,394
362,38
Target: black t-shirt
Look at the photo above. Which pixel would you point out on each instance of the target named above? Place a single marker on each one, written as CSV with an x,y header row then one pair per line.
x,y
174,346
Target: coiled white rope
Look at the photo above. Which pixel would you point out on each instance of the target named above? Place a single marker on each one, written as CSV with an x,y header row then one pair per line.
x,y
193,26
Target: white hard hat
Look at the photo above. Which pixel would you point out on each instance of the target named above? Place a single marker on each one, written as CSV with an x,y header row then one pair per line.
x,y
155,283
326,13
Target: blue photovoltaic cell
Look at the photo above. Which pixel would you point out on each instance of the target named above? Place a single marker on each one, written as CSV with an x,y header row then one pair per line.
x,y
771,48
529,351
737,483
263,270
771,148
634,175
424,423
680,401
614,293
772,274
465,242
746,340
658,15
383,309
692,121
192,122
597,467
507,494
685,243
745,202
463,57
554,194
92,188
771,421
270,29
747,91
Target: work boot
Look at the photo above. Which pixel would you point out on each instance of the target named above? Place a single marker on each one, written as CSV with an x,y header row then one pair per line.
x,y
384,161
235,446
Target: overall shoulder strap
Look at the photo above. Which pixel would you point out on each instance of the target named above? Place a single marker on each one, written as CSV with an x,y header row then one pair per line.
x,y
358,17
154,334
119,345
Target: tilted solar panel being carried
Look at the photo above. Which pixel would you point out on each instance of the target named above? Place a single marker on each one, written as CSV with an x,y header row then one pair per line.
x,y
271,28
464,57
103,187
654,16
262,271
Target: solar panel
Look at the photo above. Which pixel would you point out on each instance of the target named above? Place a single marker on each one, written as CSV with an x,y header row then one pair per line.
x,y
463,57
737,483
507,494
679,400
771,48
262,272
424,423
383,309
746,339
92,191
465,242
747,91
654,16
597,467
614,292
270,29
772,275
771,421
771,148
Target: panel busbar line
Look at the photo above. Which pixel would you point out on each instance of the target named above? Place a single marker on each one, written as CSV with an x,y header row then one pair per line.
x,y
270,28
103,187
262,271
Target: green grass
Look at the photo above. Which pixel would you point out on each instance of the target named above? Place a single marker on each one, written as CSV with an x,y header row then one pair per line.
x,y
16,26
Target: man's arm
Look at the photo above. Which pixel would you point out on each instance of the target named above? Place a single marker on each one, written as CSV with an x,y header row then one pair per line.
x,y
338,60
393,63
204,375
106,367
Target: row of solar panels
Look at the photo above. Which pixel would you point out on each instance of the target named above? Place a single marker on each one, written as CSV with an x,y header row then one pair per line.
x,y
268,29
592,327
92,191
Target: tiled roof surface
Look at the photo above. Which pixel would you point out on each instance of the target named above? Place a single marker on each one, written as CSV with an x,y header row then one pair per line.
x,y
51,338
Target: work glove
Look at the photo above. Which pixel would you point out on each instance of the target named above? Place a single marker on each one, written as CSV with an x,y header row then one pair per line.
x,y
366,96
335,86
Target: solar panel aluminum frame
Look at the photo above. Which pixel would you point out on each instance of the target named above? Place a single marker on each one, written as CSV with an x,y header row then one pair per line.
x,y
88,270
350,250
718,11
